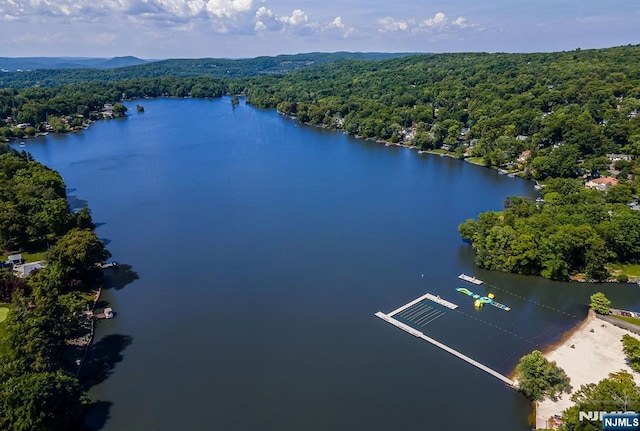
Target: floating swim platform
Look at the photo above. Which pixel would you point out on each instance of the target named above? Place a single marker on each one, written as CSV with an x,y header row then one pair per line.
x,y
470,279
483,299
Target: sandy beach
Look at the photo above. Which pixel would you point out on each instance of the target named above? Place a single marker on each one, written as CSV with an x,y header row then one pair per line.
x,y
594,356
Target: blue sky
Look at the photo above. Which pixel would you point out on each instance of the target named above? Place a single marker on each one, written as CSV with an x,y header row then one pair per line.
x,y
249,28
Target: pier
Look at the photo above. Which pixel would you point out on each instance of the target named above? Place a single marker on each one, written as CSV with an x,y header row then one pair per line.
x,y
388,318
470,279
428,296
441,301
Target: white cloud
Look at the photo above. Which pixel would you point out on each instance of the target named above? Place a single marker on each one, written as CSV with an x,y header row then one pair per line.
x,y
227,8
338,26
438,23
266,20
439,19
227,12
298,22
391,24
337,23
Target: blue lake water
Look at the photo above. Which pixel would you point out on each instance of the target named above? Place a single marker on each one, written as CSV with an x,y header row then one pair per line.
x,y
260,250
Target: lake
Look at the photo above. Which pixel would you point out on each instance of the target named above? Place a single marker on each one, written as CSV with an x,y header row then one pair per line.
x,y
259,251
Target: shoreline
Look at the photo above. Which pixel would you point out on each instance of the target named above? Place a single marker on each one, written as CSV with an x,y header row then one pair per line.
x,y
550,348
588,353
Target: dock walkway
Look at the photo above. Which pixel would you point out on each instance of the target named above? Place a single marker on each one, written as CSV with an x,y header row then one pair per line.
x,y
428,296
388,318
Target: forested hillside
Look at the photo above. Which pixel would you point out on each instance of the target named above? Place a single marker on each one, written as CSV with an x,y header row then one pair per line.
x,y
184,68
13,64
573,115
587,99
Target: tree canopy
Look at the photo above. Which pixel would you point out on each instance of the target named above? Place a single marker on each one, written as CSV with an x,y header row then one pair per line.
x,y
600,303
538,378
631,348
573,231
618,392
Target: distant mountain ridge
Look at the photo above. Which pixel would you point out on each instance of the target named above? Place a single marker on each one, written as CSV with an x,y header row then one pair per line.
x,y
41,71
13,64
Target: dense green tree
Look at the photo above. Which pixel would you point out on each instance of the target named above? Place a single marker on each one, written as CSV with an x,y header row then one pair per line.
x,y
538,378
600,304
593,165
573,232
619,194
78,251
119,110
37,329
44,401
618,392
631,348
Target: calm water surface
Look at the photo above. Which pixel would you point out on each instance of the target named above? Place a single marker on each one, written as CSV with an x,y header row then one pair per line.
x,y
259,252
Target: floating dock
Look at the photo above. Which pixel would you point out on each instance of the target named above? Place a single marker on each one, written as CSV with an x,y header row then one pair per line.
x,y
470,279
419,334
428,296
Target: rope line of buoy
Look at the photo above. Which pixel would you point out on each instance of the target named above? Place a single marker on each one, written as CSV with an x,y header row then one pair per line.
x,y
496,327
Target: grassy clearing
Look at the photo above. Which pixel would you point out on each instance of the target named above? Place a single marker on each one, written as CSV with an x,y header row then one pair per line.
x,y
631,269
633,320
3,325
32,257
475,160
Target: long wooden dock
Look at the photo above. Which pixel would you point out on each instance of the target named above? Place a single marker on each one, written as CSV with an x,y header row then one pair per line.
x,y
419,334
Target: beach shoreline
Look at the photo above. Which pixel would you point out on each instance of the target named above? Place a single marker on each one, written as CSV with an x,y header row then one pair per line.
x,y
588,353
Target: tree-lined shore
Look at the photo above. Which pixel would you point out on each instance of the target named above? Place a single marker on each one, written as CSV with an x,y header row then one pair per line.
x,y
39,387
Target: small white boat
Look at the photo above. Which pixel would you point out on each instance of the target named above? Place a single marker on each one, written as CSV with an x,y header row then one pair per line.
x,y
108,313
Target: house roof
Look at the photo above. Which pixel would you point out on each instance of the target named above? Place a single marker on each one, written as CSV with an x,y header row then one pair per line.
x,y
605,180
27,268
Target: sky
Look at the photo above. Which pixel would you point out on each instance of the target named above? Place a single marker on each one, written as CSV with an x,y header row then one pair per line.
x,y
158,29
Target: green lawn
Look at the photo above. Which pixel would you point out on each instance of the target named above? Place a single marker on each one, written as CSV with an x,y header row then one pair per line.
x,y
475,160
633,320
631,269
4,308
32,257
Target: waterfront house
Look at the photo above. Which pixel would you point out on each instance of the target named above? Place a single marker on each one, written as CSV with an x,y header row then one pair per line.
x,y
524,156
602,183
616,157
